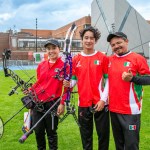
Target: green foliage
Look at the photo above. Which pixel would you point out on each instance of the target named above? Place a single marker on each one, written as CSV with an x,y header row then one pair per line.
x,y
68,131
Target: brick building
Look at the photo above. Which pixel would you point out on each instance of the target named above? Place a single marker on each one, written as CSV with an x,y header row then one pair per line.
x,y
28,41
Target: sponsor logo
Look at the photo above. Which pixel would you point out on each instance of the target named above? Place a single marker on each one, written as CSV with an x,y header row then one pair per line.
x,y
78,64
109,65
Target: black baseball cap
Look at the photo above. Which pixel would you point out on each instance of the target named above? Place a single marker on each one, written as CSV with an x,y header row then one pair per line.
x,y
52,42
116,34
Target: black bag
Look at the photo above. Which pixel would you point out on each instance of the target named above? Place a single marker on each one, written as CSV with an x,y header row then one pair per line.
x,y
28,102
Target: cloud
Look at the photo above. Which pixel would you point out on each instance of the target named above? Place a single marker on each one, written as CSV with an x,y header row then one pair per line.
x,y
51,14
4,17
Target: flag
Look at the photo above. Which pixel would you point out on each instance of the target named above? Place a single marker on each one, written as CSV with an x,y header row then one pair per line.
x,y
127,64
132,127
96,62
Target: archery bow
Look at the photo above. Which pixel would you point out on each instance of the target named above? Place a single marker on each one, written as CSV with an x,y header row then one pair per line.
x,y
68,62
68,59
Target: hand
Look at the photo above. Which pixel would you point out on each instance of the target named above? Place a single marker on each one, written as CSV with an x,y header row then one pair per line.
x,y
66,83
26,92
127,76
99,106
60,109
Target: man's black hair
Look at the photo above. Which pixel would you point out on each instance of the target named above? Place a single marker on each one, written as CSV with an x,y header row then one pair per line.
x,y
95,31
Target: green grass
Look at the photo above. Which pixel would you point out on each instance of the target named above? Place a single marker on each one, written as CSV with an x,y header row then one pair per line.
x,y
68,131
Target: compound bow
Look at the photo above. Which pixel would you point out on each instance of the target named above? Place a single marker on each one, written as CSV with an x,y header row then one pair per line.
x,y
67,76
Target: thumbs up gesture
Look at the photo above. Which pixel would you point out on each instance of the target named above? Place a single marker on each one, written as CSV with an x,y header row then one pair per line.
x,y
127,76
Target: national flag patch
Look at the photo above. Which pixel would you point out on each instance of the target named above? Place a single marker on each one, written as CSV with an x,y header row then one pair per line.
x,y
96,62
132,127
127,64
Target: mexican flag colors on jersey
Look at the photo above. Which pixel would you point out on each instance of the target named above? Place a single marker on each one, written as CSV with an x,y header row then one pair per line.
x,y
126,97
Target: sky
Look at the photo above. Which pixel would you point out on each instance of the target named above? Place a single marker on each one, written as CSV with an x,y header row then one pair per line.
x,y
51,14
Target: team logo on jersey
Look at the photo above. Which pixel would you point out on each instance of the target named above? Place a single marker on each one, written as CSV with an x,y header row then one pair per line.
x,y
132,127
78,64
127,64
97,62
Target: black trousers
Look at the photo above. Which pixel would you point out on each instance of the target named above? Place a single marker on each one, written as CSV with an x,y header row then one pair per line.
x,y
101,119
45,127
126,130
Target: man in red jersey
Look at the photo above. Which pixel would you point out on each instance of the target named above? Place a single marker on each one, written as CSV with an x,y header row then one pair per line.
x,y
125,98
89,68
47,90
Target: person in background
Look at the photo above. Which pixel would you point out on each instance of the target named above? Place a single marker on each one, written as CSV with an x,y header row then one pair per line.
x,y
125,98
47,90
89,69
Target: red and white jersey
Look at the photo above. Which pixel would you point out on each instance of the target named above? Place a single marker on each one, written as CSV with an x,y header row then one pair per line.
x,y
89,71
47,86
125,97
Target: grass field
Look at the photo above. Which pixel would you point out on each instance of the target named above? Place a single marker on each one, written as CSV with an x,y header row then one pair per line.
x,y
68,132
